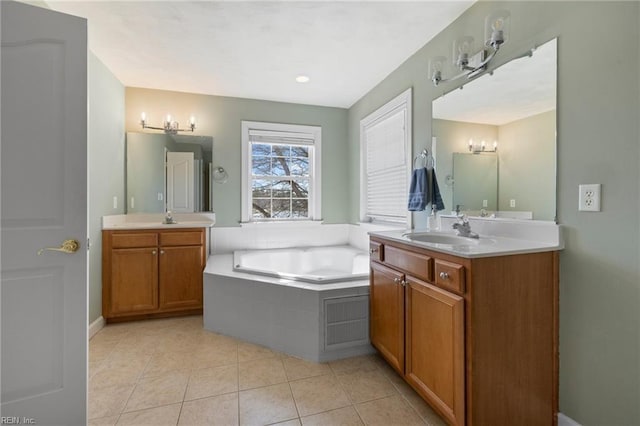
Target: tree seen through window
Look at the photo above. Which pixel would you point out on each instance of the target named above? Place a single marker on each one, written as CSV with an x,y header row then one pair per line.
x,y
280,178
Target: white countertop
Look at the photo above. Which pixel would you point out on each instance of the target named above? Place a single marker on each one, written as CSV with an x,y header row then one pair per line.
x,y
503,242
154,221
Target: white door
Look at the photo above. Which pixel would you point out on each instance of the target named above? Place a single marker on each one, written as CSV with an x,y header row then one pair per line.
x,y
180,182
44,202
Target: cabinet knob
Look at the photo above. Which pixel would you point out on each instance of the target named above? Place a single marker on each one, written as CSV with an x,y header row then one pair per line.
x,y
153,252
373,250
444,275
396,280
403,283
161,251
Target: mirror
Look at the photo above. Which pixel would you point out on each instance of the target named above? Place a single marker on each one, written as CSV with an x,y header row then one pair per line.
x,y
168,172
515,107
476,181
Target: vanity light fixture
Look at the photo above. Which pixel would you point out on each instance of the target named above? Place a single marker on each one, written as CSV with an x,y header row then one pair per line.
x,y
169,125
475,148
469,62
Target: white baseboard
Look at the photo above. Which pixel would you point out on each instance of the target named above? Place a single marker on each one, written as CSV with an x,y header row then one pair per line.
x,y
566,421
96,326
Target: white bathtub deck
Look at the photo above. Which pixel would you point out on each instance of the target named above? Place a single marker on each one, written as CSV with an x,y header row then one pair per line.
x,y
222,264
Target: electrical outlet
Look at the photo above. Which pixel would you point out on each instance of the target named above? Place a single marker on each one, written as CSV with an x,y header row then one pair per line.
x,y
160,196
115,202
485,203
512,203
589,197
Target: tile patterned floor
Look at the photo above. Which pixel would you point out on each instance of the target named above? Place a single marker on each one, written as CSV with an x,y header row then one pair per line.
x,y
173,372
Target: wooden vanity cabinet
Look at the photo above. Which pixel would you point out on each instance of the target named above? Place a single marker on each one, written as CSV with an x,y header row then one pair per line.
x,y
479,336
386,298
152,273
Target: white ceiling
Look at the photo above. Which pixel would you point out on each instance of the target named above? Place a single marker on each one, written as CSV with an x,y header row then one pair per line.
x,y
518,89
256,49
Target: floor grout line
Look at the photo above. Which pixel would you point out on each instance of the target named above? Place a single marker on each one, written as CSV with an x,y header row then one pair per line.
x,y
190,332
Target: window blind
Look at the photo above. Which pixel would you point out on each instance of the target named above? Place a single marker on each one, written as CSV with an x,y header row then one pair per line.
x,y
275,137
386,167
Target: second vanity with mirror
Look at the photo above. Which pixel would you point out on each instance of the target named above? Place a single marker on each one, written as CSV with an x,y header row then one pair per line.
x,y
471,324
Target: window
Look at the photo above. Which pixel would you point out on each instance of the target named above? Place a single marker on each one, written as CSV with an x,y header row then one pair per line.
x,y
385,145
281,172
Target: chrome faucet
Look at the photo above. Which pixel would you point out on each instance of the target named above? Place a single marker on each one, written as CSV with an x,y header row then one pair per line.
x,y
168,219
464,228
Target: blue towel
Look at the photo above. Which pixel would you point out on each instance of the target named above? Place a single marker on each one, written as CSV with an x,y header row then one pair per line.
x,y
421,193
435,197
418,190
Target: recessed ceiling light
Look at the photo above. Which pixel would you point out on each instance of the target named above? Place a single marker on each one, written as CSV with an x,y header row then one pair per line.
x,y
302,79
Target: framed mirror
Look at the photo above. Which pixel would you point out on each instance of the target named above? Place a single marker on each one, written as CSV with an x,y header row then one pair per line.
x,y
168,172
506,120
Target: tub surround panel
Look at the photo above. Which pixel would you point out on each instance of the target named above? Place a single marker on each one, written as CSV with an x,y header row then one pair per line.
x,y
284,315
286,235
277,235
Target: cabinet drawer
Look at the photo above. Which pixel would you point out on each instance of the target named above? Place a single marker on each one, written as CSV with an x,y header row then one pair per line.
x,y
133,240
182,238
418,265
376,251
450,276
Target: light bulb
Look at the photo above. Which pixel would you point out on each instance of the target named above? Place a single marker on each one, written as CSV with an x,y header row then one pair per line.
x,y
498,24
462,48
470,144
143,117
497,28
495,145
192,120
168,118
482,145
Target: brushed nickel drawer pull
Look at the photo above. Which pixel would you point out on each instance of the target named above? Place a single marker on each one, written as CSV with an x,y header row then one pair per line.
x,y
444,275
153,252
373,250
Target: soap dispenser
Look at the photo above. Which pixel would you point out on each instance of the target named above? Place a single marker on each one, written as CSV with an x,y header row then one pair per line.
x,y
432,220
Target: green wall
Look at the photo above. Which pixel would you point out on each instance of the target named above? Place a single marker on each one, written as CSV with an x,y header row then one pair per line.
x,y
598,142
220,117
105,165
528,165
451,137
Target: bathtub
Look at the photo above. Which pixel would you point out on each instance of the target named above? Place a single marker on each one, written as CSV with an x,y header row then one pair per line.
x,y
318,265
309,302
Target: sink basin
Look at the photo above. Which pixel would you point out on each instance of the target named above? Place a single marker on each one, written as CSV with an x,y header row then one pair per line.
x,y
434,238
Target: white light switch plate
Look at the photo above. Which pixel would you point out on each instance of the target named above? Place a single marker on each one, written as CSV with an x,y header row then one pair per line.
x,y
589,197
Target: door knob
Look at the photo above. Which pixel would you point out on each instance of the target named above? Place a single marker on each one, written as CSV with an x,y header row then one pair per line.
x,y
68,246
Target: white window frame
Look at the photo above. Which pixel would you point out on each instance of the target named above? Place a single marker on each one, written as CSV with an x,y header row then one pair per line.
x,y
315,175
401,102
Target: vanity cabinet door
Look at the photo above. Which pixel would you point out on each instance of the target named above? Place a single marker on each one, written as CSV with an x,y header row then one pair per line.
x,y
387,314
435,347
134,281
181,277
